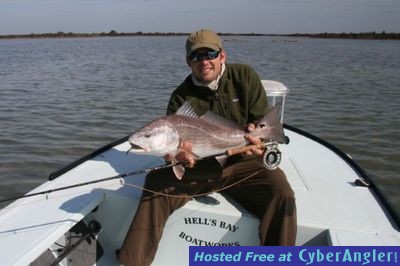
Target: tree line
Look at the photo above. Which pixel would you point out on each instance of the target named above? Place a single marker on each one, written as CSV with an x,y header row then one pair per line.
x,y
362,35
113,33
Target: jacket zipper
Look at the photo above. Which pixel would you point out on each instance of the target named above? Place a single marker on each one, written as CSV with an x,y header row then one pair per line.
x,y
222,105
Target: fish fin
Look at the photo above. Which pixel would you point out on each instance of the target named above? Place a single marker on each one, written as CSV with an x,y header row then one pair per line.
x,y
221,159
270,126
179,171
213,118
186,109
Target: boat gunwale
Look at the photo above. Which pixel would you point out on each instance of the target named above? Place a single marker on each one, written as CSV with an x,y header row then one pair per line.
x,y
72,165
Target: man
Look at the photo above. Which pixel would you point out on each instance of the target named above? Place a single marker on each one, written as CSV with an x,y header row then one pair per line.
x,y
235,92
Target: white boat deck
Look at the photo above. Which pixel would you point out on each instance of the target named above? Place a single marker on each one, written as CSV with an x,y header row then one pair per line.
x,y
327,197
331,209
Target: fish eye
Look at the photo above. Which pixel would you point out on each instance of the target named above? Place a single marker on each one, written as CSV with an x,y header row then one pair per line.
x,y
148,135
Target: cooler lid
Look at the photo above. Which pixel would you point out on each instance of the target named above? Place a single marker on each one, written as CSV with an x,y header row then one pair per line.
x,y
274,88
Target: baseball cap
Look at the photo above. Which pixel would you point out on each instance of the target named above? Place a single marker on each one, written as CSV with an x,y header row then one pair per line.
x,y
203,39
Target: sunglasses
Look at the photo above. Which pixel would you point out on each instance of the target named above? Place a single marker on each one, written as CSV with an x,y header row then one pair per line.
x,y
197,57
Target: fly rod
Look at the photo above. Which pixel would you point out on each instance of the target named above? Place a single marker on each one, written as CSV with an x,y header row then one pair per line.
x,y
147,170
138,172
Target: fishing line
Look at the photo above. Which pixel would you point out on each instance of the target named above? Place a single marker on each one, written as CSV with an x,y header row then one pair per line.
x,y
121,176
193,195
143,171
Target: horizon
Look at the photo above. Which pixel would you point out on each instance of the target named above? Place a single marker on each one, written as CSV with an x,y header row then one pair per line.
x,y
110,32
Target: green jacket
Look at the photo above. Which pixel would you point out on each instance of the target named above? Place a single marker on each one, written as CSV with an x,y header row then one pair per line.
x,y
240,96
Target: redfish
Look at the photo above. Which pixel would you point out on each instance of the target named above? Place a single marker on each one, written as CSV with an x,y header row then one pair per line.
x,y
209,134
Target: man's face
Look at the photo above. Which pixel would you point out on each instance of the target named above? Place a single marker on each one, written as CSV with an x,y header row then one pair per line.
x,y
206,69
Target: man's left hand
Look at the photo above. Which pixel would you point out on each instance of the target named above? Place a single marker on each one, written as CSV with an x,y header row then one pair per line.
x,y
253,140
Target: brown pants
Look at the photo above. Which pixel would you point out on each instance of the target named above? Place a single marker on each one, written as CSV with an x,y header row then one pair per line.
x,y
266,194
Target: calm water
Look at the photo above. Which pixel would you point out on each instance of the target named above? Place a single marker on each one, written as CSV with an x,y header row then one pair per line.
x,y
62,98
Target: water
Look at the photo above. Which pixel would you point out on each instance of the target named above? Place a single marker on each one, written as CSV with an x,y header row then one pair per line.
x,y
63,98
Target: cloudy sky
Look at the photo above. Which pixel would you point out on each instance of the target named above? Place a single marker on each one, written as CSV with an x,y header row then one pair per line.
x,y
238,16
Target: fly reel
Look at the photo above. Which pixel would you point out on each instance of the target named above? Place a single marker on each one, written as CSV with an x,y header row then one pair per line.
x,y
271,157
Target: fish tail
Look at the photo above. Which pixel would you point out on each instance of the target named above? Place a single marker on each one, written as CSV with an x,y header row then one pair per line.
x,y
270,126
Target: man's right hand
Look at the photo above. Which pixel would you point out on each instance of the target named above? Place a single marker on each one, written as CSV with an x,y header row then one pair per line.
x,y
184,155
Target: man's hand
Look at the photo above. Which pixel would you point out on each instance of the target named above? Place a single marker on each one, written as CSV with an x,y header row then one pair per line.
x,y
184,154
253,140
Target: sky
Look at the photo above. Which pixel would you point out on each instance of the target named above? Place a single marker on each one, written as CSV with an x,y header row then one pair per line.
x,y
235,16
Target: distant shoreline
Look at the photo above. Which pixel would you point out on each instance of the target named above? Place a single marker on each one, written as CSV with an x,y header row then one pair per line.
x,y
363,35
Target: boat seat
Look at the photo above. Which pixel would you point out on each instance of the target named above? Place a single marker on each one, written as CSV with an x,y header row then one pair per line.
x,y
214,220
